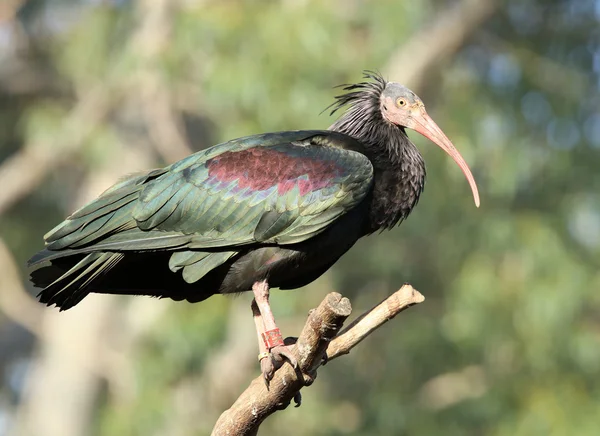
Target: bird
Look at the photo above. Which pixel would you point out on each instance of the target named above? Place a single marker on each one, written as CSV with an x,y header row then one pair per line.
x,y
273,210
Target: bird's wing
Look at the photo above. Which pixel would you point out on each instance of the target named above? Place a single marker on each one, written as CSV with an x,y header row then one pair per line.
x,y
279,188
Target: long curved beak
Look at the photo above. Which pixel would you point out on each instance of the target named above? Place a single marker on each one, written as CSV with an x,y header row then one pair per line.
x,y
425,125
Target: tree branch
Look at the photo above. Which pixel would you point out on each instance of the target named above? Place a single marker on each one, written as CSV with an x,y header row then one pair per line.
x,y
319,335
370,321
257,402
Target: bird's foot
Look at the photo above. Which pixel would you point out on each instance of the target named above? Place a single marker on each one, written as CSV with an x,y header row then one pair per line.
x,y
270,362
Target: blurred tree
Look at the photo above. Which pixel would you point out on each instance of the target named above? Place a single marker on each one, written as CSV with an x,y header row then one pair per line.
x,y
508,341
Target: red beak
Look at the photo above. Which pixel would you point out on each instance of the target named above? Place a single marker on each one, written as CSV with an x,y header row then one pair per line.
x,y
429,129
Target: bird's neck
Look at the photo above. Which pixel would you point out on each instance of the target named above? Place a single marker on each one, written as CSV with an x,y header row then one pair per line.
x,y
399,169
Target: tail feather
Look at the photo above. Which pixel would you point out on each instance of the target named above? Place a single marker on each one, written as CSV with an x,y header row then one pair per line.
x,y
73,285
193,276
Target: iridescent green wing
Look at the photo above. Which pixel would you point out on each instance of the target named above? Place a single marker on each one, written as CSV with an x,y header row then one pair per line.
x,y
279,188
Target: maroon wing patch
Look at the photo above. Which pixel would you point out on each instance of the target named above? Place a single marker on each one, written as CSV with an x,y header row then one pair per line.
x,y
262,168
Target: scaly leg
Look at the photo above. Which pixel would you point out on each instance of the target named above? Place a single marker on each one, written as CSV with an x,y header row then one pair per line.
x,y
264,356
270,343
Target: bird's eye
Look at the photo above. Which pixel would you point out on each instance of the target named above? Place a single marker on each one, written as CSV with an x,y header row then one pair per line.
x,y
401,102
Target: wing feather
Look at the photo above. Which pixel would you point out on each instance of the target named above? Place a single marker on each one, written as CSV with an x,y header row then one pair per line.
x,y
195,271
279,188
227,202
180,259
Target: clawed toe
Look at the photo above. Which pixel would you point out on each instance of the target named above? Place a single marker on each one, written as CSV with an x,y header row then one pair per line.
x,y
267,368
282,353
275,360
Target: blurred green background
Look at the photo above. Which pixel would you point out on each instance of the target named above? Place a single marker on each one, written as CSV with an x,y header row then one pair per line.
x,y
508,339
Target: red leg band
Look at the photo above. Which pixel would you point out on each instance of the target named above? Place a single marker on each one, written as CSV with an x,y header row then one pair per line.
x,y
272,338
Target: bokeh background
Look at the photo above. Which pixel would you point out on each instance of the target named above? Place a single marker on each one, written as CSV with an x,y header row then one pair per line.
x,y
508,339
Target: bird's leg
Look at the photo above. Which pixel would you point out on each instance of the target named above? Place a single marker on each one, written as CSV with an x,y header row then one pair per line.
x,y
273,352
264,356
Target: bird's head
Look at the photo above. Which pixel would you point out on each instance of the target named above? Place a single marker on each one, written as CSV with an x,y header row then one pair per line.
x,y
375,101
402,107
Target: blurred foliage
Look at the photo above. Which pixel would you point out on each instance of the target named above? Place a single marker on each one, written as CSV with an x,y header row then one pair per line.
x,y
508,340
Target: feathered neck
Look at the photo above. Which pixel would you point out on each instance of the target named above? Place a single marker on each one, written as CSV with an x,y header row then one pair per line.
x,y
399,167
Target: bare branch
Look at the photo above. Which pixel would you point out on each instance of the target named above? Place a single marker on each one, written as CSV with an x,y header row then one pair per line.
x,y
320,334
370,321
